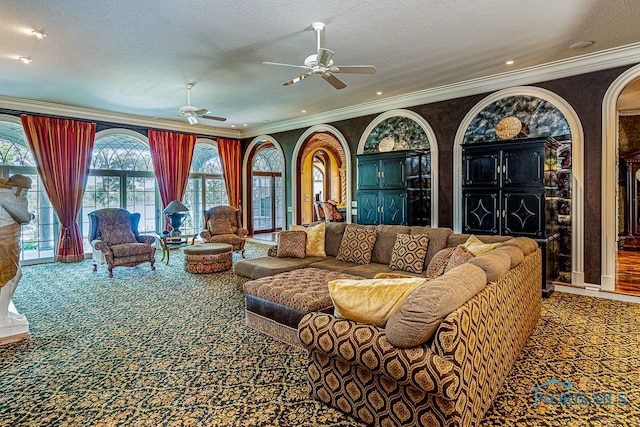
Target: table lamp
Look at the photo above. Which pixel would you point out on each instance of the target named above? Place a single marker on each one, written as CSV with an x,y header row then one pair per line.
x,y
174,214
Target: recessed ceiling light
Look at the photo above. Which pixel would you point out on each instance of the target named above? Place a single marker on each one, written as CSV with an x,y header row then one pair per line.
x,y
233,126
581,44
378,93
509,62
25,59
39,34
245,125
303,111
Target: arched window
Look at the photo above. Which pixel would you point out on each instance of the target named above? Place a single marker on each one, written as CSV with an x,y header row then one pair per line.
x,y
121,176
38,238
266,200
205,187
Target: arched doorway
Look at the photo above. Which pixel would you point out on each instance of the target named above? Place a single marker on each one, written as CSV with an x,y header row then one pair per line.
x,y
619,92
264,187
321,152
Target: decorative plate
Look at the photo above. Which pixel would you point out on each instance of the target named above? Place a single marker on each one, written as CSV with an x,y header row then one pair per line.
x,y
386,144
508,128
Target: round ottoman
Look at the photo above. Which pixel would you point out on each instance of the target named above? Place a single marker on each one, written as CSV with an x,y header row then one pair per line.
x,y
208,258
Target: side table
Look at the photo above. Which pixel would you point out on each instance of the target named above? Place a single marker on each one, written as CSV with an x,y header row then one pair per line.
x,y
168,242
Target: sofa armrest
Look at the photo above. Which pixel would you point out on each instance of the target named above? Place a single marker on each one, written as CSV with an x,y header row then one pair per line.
x,y
242,232
367,347
149,240
100,245
205,235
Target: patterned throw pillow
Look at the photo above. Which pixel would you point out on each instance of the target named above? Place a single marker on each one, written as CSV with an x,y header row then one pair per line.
x,y
219,226
315,238
357,244
292,244
438,263
409,252
116,234
459,256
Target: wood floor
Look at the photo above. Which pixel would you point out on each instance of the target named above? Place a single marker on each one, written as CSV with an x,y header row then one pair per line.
x,y
628,272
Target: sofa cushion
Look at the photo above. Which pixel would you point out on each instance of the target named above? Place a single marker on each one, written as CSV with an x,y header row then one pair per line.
x,y
438,263
477,246
494,263
315,238
257,268
526,244
333,237
409,252
438,238
116,234
333,264
219,226
385,240
357,244
515,254
459,256
292,244
416,320
370,301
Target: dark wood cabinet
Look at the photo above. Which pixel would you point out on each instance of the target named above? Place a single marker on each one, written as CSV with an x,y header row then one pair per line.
x,y
394,188
510,188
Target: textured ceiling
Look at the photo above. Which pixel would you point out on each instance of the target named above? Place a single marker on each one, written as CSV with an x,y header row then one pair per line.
x,y
134,57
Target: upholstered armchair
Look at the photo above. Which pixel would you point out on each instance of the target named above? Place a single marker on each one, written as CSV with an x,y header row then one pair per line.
x,y
114,237
223,224
331,212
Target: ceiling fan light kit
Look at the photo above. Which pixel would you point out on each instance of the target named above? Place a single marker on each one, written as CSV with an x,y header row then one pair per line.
x,y
321,63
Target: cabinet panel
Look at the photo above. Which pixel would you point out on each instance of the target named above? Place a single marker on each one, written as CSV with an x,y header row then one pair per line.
x,y
368,207
523,167
393,207
524,213
481,212
392,173
368,174
481,169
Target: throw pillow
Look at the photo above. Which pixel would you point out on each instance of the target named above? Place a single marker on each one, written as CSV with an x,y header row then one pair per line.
x,y
219,226
409,252
357,244
117,234
477,246
315,238
273,251
438,263
370,301
459,256
418,317
292,244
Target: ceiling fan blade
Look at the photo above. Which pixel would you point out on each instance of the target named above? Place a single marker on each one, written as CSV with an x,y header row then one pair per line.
x,y
354,69
201,112
324,57
297,79
334,81
220,119
302,67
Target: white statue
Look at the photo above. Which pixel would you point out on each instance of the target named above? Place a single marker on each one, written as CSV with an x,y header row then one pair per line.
x,y
13,213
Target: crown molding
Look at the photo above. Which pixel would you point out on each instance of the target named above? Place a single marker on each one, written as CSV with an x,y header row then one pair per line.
x,y
53,109
596,61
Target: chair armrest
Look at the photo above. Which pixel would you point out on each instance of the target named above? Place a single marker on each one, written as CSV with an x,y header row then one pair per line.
x,y
367,347
205,235
242,232
149,240
100,245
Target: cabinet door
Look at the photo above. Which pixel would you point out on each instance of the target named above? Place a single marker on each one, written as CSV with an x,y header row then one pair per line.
x,y
523,166
368,174
481,212
392,173
481,168
368,207
524,213
393,207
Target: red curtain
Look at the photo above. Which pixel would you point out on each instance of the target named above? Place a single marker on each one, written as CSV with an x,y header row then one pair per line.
x,y
230,154
171,154
62,150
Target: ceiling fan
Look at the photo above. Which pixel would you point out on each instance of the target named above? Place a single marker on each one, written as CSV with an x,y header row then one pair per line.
x,y
192,113
321,63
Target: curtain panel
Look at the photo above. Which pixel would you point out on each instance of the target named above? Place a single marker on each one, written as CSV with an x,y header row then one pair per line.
x,y
171,154
62,150
230,154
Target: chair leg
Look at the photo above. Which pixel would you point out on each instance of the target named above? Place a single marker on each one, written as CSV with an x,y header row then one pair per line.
x,y
153,267
110,272
95,267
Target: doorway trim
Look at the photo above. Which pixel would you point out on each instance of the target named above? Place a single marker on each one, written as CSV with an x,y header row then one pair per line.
x,y
577,165
245,184
609,207
294,166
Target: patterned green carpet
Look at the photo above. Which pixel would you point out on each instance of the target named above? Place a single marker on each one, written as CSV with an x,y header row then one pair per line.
x,y
170,348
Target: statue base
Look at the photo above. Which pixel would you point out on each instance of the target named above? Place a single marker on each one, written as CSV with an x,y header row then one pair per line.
x,y
14,328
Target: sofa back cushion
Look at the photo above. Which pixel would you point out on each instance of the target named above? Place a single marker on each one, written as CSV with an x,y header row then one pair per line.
x,y
417,318
333,237
526,244
385,241
494,263
438,238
